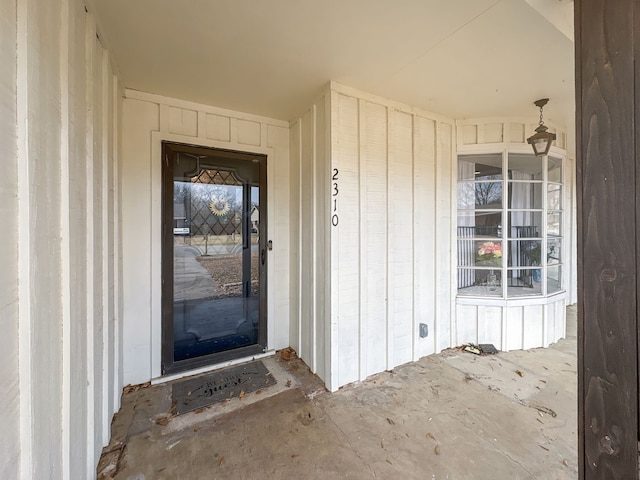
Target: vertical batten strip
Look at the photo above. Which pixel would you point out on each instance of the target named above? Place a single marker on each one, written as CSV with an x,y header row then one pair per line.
x,y
202,125
90,34
503,328
452,289
264,135
326,319
104,192
24,244
333,380
418,229
314,238
363,332
155,242
436,242
389,286
298,240
414,229
97,213
117,242
300,230
65,239
165,115
320,208
306,234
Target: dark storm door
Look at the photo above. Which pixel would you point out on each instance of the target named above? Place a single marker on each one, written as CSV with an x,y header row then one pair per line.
x,y
214,259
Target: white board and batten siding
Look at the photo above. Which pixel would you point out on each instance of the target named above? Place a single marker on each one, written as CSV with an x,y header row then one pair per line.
x,y
512,327
518,323
310,268
148,120
60,203
381,232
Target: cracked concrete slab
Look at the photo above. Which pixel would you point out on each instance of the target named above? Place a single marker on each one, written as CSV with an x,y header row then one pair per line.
x,y
447,416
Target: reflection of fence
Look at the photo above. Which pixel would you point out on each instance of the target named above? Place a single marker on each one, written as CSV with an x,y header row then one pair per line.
x,y
467,251
204,222
519,254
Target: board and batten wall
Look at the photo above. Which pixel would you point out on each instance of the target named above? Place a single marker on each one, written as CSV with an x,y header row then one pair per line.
x,y
519,323
147,121
372,230
60,281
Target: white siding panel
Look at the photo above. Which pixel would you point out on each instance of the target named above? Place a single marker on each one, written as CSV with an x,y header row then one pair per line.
x,y
514,327
78,268
249,133
322,224
561,320
443,253
517,132
347,287
533,326
9,368
490,326
373,239
493,133
310,237
183,121
390,263
555,318
62,114
279,201
307,212
139,118
384,264
400,255
95,245
41,189
218,127
467,325
549,324
296,237
424,221
470,134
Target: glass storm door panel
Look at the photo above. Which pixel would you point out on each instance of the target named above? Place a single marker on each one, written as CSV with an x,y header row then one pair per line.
x,y
214,260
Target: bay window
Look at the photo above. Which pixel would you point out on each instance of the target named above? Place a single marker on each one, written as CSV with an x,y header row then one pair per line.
x,y
509,225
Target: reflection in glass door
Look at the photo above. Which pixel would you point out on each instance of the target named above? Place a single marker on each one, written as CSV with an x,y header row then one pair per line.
x,y
214,260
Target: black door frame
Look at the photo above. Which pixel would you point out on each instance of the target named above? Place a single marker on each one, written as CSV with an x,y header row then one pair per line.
x,y
169,151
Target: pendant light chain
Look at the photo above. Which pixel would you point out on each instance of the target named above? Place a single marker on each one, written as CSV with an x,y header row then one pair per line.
x,y
541,122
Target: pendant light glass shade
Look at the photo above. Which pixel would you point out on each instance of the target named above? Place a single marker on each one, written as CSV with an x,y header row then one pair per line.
x,y
541,141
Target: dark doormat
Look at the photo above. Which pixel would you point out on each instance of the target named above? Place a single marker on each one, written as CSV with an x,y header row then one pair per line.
x,y
216,387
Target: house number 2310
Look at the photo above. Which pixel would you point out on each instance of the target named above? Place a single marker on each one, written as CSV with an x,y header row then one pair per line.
x,y
334,196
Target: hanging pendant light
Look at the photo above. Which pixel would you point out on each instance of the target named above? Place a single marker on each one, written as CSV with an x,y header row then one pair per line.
x,y
541,140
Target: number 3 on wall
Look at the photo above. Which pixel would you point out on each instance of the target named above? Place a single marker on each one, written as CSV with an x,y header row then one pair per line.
x,y
334,194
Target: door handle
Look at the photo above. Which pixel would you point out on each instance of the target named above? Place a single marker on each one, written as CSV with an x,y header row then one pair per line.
x,y
263,255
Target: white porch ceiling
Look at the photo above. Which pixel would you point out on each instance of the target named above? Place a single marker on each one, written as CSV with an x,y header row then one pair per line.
x,y
459,58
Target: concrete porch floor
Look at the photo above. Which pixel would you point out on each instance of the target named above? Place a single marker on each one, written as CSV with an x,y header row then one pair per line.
x,y
448,416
